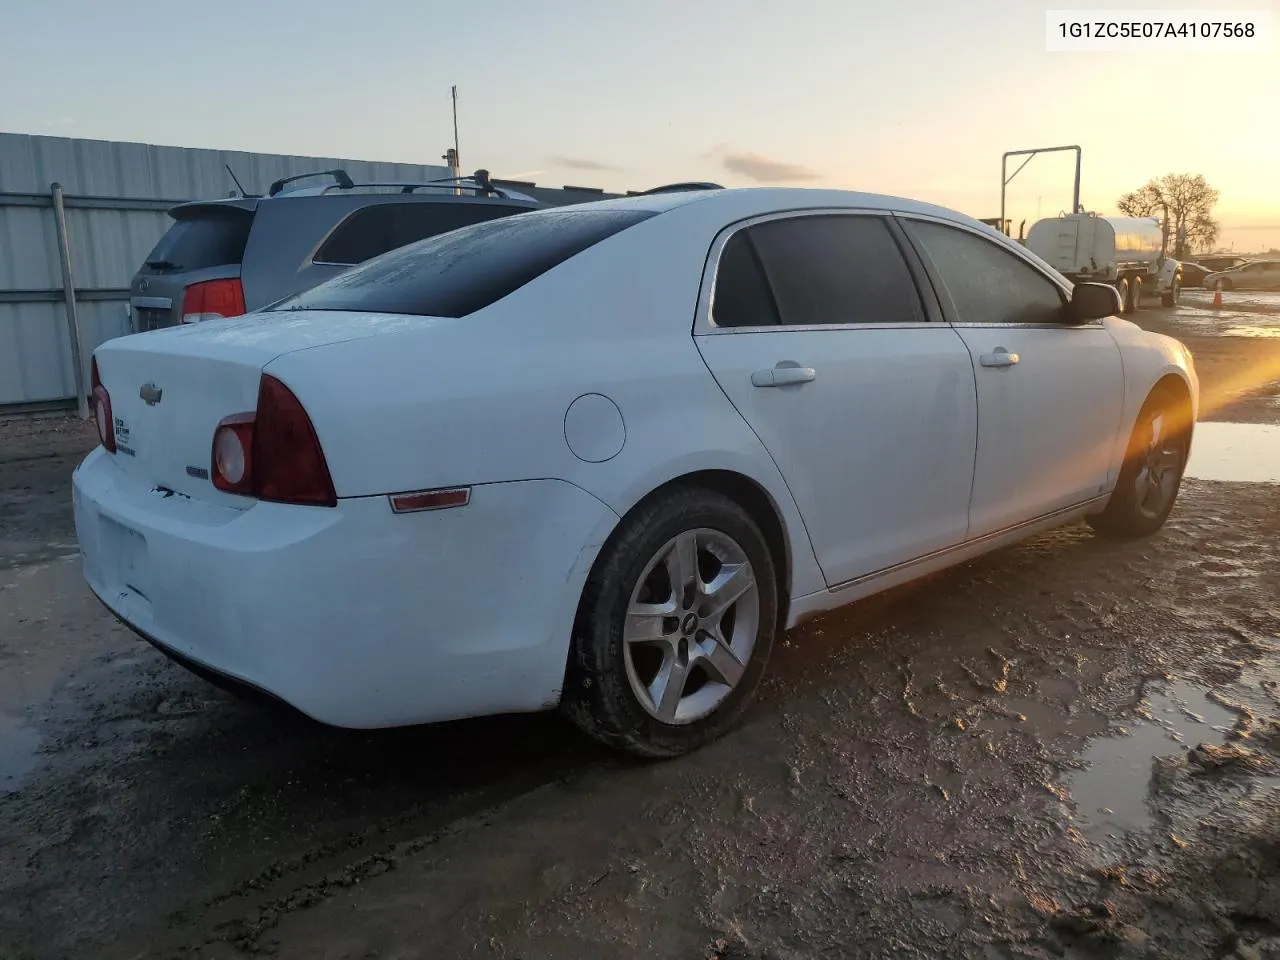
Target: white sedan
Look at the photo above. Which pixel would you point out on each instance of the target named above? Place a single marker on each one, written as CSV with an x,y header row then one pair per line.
x,y
599,457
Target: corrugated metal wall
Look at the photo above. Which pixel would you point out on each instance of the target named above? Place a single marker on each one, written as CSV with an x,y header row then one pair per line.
x,y
117,195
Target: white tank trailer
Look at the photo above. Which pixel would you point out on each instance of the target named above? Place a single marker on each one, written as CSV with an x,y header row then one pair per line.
x,y
1127,252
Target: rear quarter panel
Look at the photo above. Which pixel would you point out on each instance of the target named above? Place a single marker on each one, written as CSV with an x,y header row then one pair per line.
x,y
483,399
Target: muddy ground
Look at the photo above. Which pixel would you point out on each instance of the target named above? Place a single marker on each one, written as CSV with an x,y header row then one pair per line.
x,y
1069,748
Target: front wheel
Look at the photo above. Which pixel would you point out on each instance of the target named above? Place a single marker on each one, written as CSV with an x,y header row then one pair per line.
x,y
1152,472
1171,298
675,626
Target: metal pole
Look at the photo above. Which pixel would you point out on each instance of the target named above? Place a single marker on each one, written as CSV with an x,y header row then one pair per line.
x,y
457,156
69,295
1075,201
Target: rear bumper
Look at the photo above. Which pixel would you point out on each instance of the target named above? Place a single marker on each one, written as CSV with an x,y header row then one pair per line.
x,y
354,615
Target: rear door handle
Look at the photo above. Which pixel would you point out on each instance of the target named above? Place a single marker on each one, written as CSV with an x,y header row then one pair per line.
x,y
999,357
784,373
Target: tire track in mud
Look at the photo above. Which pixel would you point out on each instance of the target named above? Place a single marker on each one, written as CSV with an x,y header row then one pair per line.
x,y
906,781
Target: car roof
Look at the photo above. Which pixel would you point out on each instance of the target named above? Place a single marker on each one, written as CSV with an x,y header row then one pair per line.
x,y
742,202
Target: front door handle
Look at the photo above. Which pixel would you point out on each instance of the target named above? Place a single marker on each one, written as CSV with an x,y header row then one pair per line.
x,y
784,373
999,357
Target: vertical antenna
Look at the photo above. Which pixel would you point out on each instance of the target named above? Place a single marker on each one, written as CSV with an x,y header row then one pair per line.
x,y
457,157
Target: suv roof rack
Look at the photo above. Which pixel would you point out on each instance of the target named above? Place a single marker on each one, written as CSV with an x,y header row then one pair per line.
x,y
477,183
677,188
339,176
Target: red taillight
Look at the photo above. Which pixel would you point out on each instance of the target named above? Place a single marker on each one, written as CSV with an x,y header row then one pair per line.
x,y
273,453
212,300
100,400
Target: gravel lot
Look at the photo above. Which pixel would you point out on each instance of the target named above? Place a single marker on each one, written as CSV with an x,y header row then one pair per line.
x,y
1069,748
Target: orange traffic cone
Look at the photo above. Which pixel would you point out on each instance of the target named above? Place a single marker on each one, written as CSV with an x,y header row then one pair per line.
x,y
1217,296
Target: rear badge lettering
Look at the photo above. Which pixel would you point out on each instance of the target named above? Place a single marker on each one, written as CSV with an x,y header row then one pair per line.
x,y
127,451
200,473
122,431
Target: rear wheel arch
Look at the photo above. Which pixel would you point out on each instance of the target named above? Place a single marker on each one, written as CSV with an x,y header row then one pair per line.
x,y
758,503
754,499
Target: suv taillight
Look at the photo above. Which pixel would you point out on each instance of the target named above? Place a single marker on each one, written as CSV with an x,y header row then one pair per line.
x,y
100,400
272,453
212,300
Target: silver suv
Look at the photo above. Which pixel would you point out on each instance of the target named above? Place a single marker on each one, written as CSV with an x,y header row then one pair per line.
x,y
222,258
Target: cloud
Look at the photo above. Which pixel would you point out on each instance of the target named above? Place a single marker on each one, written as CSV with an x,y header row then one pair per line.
x,y
579,163
761,169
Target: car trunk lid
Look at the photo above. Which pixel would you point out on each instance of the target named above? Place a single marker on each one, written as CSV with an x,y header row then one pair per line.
x,y
170,389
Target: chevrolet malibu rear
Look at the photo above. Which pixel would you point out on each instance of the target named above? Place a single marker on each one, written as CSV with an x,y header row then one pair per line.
x,y
300,501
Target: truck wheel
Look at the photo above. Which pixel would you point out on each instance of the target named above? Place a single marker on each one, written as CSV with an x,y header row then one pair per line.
x,y
1135,295
1171,298
1122,285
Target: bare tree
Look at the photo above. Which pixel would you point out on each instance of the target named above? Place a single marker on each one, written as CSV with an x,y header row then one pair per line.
x,y
1185,202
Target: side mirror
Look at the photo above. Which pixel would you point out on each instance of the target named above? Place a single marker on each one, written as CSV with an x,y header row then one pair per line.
x,y
1093,301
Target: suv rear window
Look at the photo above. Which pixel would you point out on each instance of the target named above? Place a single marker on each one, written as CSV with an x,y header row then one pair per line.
x,y
457,273
375,229
211,238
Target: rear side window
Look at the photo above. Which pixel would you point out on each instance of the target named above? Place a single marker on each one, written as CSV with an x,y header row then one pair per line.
x,y
742,295
457,273
987,284
375,229
826,269
201,241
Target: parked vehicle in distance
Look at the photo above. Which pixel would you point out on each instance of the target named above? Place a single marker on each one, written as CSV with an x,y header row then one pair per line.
x,y
505,469
1220,263
1193,274
1254,275
1126,252
223,258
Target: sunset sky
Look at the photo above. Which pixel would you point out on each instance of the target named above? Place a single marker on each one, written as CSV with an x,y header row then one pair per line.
x,y
917,98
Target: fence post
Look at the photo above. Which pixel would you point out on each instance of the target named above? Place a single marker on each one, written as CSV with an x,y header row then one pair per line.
x,y
69,295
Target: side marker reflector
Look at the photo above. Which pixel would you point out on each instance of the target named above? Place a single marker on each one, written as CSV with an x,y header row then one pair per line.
x,y
420,500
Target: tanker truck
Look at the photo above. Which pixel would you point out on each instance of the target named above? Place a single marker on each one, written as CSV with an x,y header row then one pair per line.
x,y
1126,252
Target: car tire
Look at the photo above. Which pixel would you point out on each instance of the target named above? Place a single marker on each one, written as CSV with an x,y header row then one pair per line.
x,y
1135,296
1171,298
1151,475
1122,287
633,628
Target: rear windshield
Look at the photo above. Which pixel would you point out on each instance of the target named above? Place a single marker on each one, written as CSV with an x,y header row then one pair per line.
x,y
458,273
208,239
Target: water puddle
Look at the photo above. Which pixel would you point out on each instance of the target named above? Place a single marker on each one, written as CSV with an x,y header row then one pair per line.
x,y
18,746
1243,452
1111,792
1252,331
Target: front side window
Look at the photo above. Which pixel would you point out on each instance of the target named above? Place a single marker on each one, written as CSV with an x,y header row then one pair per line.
x,y
986,284
815,270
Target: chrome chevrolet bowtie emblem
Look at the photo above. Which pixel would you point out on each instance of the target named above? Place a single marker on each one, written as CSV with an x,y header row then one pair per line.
x,y
150,393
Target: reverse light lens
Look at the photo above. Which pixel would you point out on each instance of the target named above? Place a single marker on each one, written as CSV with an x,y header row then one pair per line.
x,y
229,455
